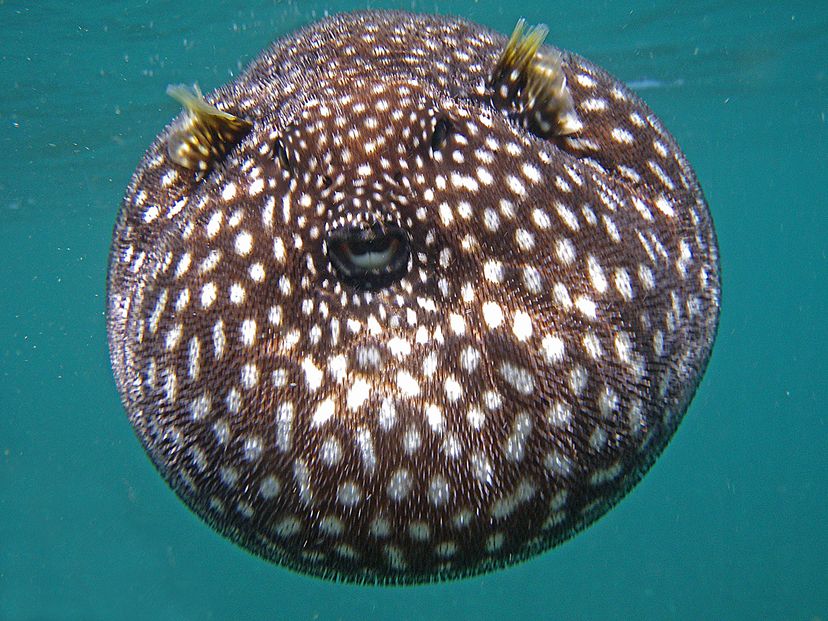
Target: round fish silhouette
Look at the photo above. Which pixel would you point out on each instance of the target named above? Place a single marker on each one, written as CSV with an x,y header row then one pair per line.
x,y
409,300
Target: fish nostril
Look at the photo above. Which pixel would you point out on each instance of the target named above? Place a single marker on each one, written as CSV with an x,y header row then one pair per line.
x,y
372,257
282,156
442,129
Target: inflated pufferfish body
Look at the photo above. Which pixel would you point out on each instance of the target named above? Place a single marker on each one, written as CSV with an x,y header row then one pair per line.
x,y
409,300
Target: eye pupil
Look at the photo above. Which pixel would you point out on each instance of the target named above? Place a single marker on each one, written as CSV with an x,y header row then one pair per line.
x,y
442,129
369,258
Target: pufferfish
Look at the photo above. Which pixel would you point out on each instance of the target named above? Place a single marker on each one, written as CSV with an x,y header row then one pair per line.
x,y
409,300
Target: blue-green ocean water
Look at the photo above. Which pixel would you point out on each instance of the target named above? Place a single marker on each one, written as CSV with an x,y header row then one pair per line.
x,y
731,523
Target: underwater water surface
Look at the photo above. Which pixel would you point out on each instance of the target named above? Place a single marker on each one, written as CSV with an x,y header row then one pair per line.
x,y
731,522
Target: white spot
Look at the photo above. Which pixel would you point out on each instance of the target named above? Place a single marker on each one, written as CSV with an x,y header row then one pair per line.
x,y
324,411
233,401
244,243
623,347
516,441
476,417
558,463
598,439
365,443
541,219
577,379
525,240
585,80
313,375
596,274
492,314
287,527
469,359
400,348
380,527
407,384
553,348
218,338
257,272
183,264
228,475
284,425
173,337
532,279
522,326
457,324
481,468
599,477
248,332
623,284
151,213
331,525
665,207
210,261
237,293
493,271
348,494
645,275
587,307
559,414
531,173
592,345
434,416
515,185
256,187
193,357
269,487
453,389
438,491
387,414
568,216
208,295
565,250
229,192
200,407
399,484
411,440
358,394
518,377
249,376
484,176
252,449
214,224
491,219
622,136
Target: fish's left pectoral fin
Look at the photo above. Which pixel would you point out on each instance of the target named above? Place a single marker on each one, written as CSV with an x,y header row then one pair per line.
x,y
204,134
529,83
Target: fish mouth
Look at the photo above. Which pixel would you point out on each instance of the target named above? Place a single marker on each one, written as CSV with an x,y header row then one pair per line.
x,y
369,257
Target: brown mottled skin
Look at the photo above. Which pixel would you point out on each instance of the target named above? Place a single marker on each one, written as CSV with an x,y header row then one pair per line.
x,y
540,311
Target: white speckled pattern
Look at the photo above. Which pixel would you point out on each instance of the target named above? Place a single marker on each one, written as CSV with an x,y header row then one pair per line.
x,y
509,382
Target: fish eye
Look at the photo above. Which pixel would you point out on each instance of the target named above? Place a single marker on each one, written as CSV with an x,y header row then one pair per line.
x,y
442,129
372,257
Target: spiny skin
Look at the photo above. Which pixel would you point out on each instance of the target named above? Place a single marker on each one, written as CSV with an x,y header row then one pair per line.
x,y
554,320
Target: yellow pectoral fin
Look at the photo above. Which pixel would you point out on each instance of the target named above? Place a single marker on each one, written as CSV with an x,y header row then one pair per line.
x,y
530,84
204,134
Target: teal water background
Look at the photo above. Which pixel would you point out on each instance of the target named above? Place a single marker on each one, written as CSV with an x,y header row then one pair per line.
x,y
731,523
